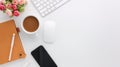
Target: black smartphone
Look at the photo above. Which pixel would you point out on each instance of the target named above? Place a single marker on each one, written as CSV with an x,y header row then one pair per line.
x,y
42,57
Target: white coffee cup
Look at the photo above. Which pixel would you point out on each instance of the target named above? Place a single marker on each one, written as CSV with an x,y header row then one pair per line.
x,y
28,32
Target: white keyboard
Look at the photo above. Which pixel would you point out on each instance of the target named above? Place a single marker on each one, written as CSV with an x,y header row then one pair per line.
x,y
45,7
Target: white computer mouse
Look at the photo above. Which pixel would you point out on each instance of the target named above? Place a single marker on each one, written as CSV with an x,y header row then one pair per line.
x,y
49,32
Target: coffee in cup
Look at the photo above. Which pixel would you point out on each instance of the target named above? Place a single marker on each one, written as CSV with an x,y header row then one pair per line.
x,y
30,24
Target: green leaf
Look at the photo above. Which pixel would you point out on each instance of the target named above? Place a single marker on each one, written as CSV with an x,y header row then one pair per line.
x,y
10,0
21,9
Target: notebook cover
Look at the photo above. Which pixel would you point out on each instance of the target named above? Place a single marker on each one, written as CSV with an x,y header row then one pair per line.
x,y
6,32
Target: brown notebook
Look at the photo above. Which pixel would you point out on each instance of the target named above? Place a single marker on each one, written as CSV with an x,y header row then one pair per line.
x,y
6,32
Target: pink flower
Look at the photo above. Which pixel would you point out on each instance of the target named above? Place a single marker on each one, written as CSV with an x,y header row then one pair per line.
x,y
9,5
3,1
21,2
8,12
16,13
15,2
2,7
14,7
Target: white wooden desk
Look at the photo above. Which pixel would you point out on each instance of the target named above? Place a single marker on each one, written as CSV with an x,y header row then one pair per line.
x,y
87,34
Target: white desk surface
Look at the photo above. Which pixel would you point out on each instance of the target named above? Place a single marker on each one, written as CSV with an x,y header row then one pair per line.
x,y
87,34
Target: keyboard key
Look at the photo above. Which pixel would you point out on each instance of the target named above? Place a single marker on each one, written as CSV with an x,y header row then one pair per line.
x,y
47,3
45,0
54,3
52,8
41,2
51,5
42,14
43,10
51,1
48,7
38,4
49,10
58,0
44,4
46,12
40,7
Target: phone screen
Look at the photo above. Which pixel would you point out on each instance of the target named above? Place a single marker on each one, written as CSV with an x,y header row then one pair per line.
x,y
42,57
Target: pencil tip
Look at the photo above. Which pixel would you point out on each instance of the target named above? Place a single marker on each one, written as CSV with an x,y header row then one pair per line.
x,y
13,34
